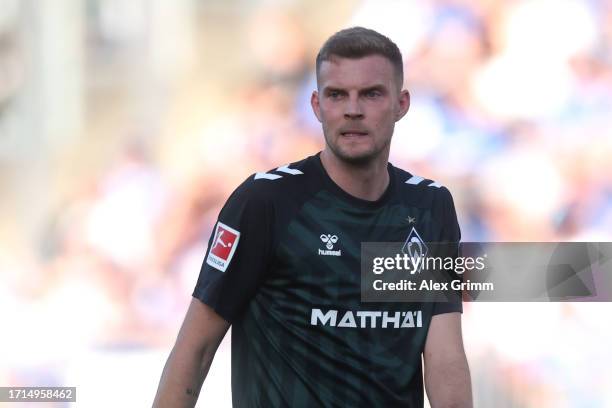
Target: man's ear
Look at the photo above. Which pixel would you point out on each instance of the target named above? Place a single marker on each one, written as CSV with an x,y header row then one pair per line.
x,y
314,102
404,104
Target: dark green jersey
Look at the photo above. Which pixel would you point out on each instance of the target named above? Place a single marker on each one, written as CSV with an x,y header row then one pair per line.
x,y
283,266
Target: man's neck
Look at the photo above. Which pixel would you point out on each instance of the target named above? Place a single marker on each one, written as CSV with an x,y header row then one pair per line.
x,y
367,182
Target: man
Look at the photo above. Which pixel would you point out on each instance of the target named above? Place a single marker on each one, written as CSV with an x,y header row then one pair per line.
x,y
283,264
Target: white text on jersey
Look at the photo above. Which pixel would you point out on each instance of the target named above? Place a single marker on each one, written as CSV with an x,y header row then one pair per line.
x,y
376,318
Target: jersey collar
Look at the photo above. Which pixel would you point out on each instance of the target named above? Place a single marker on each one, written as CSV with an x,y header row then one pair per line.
x,y
355,201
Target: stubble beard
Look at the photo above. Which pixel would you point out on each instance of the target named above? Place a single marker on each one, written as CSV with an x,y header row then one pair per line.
x,y
362,159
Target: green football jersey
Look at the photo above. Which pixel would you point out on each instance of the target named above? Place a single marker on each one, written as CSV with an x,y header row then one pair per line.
x,y
283,267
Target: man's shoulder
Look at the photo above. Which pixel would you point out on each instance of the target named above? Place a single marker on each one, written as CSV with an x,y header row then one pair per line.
x,y
278,183
420,190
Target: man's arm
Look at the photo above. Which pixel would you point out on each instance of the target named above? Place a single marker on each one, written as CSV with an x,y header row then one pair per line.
x,y
191,357
447,375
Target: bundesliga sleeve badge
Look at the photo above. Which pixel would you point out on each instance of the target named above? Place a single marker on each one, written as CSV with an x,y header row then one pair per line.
x,y
223,246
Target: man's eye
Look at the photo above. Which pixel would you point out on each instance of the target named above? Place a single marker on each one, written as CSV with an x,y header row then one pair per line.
x,y
373,94
334,94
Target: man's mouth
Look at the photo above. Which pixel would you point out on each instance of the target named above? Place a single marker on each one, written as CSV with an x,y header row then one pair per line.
x,y
353,133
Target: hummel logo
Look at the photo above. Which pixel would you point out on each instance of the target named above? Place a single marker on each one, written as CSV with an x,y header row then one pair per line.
x,y
329,240
411,220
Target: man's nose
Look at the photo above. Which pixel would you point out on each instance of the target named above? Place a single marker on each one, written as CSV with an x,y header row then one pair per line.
x,y
353,109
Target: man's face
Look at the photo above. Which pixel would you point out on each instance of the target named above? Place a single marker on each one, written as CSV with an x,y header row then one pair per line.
x,y
358,102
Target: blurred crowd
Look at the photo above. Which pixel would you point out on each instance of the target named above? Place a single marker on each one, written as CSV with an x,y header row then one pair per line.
x,y
510,110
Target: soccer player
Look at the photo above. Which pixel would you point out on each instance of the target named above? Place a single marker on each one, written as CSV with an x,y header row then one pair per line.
x,y
283,263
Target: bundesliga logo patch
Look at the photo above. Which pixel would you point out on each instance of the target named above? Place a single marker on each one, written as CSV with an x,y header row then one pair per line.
x,y
223,247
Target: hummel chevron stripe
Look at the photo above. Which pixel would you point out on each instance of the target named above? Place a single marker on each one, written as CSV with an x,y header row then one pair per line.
x,y
414,180
417,179
284,169
267,176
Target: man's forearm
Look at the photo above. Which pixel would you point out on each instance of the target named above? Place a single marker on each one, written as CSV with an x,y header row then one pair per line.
x,y
449,385
182,379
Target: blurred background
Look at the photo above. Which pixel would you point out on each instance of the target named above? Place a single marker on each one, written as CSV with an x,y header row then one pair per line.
x,y
125,125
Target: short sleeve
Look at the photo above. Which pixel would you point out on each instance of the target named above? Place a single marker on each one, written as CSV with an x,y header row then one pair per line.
x,y
238,253
451,234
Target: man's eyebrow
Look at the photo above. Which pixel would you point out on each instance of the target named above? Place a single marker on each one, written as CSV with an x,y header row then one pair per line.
x,y
376,87
333,89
